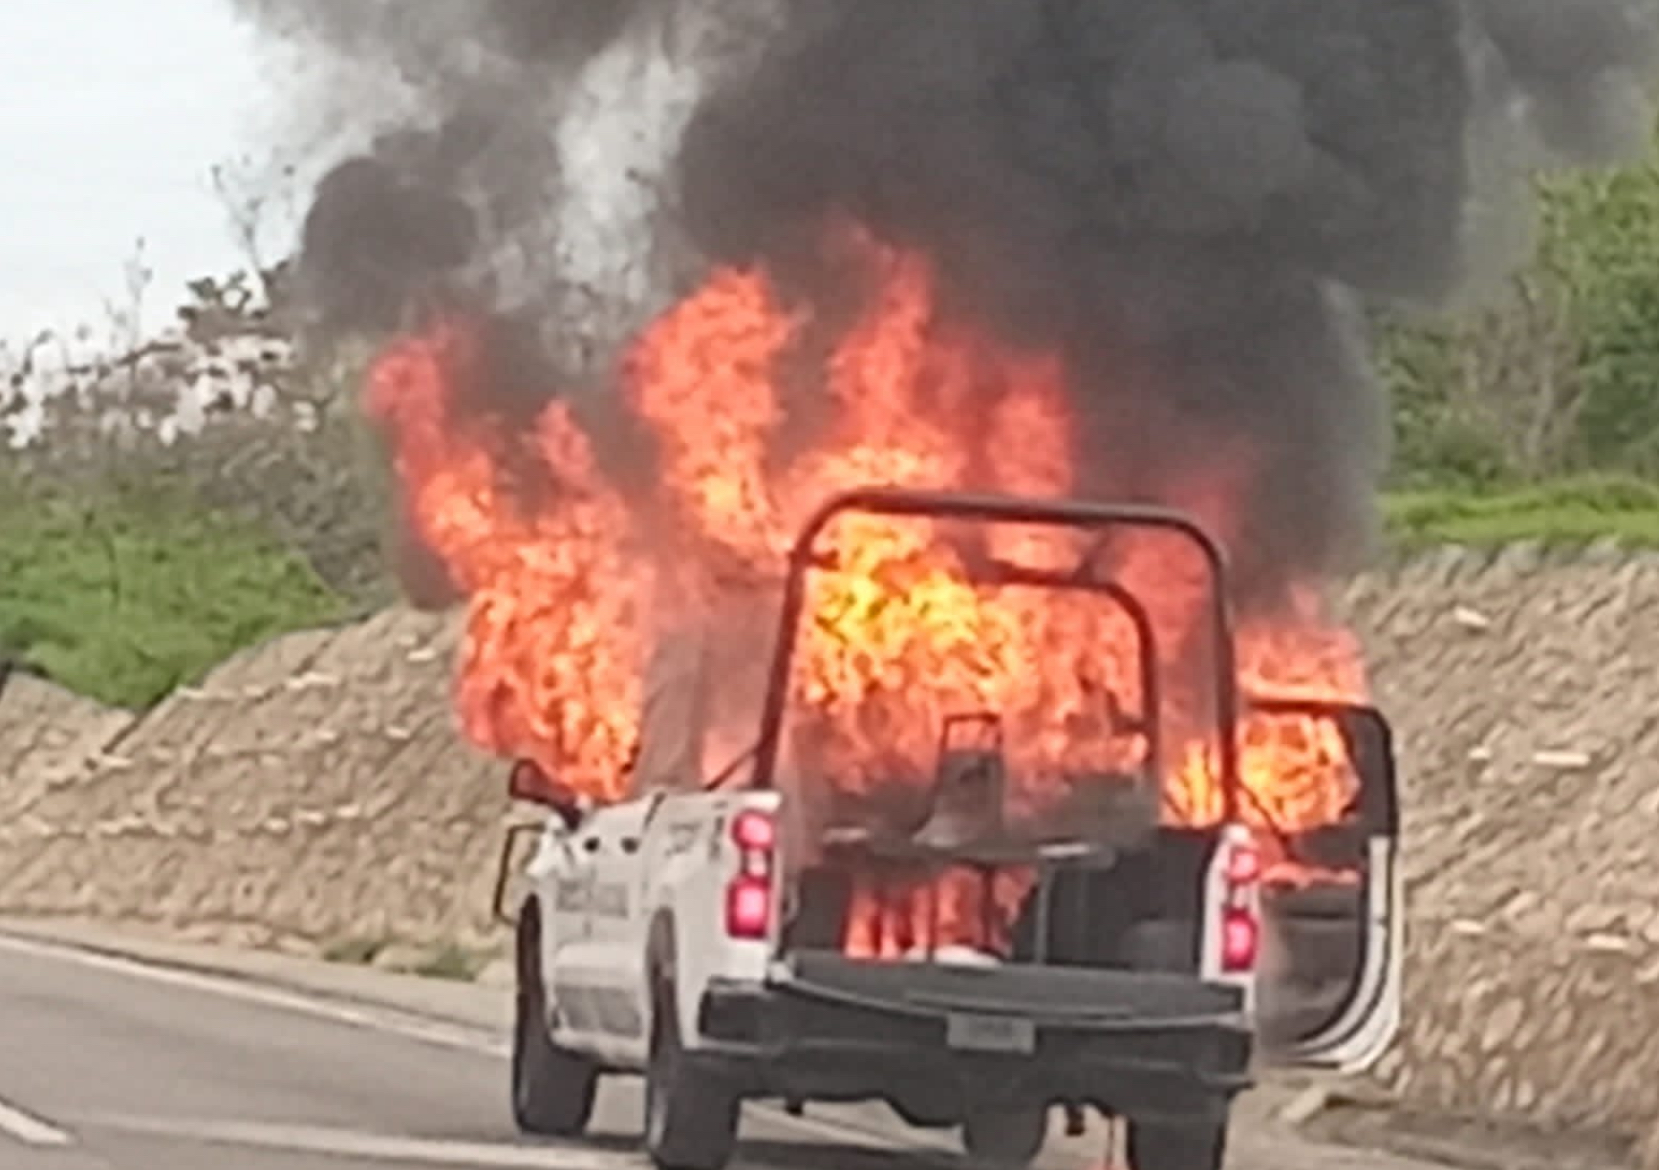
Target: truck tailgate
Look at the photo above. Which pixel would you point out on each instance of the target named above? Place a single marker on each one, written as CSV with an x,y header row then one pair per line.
x,y
831,1027
1066,996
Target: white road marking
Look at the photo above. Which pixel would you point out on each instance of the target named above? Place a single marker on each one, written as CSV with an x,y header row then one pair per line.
x,y
383,1020
346,1143
426,1030
29,1129
23,1127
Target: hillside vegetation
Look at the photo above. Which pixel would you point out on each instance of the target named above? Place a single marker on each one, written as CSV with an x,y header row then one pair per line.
x,y
129,566
1559,514
1559,376
123,595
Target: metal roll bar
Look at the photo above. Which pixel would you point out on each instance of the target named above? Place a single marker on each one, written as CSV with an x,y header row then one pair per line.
x,y
994,509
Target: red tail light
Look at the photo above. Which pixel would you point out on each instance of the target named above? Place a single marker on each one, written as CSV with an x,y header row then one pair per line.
x,y
749,907
1240,940
1244,865
754,831
749,894
1240,922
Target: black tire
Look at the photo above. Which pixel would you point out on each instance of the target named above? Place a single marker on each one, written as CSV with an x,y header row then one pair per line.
x,y
923,1113
1004,1139
691,1116
553,1089
1168,1145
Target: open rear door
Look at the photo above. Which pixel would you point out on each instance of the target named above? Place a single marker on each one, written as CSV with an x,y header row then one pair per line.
x,y
1331,980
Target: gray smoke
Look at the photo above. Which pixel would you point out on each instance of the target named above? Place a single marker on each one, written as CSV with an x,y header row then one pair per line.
x,y
1195,201
443,44
456,167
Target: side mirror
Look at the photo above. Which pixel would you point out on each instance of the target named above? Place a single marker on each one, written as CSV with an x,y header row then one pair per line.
x,y
529,782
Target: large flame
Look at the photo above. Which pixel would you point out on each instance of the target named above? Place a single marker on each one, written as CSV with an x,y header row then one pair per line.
x,y
757,416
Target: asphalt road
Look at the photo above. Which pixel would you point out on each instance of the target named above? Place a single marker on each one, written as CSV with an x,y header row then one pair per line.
x,y
111,1065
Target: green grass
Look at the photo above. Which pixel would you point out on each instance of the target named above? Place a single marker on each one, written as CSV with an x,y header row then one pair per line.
x,y
1564,514
452,962
354,951
123,595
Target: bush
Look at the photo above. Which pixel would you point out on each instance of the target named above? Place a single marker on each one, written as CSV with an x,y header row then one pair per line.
x,y
1564,513
1556,376
124,593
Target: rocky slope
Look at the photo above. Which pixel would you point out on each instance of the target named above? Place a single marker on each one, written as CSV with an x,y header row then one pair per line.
x,y
313,790
1528,709
308,791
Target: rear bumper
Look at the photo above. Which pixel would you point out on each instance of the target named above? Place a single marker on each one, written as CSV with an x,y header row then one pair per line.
x,y
787,1041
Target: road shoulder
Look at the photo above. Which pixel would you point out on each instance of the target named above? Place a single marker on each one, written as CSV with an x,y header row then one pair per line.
x,y
1262,1133
472,1005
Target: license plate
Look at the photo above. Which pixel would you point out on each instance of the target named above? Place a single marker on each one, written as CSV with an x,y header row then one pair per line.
x,y
991,1033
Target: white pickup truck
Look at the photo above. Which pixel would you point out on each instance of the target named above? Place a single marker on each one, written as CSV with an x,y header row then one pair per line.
x,y
672,935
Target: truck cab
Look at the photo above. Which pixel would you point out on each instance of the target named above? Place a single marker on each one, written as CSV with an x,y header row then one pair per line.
x,y
729,935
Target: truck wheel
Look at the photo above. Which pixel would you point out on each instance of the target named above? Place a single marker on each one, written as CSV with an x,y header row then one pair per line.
x,y
923,1113
1174,1146
690,1116
553,1088
1004,1139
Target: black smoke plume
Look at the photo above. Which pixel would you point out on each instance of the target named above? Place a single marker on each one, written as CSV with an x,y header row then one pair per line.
x,y
448,192
1195,201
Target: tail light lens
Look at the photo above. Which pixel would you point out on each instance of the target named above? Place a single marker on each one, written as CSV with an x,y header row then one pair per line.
x,y
1240,919
748,907
749,893
1240,941
754,832
1244,864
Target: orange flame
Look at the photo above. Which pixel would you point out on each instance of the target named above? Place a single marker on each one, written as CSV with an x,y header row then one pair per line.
x,y
751,432
549,662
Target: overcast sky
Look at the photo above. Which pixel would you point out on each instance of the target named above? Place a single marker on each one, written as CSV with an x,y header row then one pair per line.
x,y
112,115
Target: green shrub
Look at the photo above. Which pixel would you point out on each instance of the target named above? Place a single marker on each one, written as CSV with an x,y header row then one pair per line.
x,y
354,950
452,962
123,593
1556,375
1563,513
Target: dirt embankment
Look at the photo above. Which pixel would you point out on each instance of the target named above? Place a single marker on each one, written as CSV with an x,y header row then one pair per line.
x,y
314,790
309,791
1527,704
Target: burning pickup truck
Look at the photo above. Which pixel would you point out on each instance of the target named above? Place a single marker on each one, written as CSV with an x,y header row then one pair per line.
x,y
1074,905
